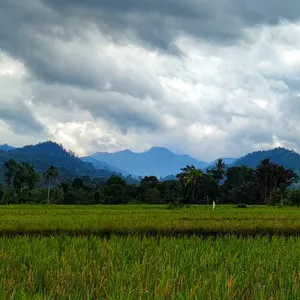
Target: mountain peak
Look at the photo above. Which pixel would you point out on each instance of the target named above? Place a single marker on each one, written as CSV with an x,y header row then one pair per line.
x,y
157,161
47,146
126,151
50,153
6,147
160,150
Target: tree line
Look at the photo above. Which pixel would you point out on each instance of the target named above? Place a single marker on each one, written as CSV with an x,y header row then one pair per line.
x,y
267,184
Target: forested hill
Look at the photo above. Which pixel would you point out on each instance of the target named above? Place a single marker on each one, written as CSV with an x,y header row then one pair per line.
x,y
49,153
281,156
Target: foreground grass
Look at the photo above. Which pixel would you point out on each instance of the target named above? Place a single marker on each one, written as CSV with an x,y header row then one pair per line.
x,y
150,220
149,268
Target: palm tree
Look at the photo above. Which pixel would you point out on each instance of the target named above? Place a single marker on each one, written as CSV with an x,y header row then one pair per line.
x,y
191,178
284,178
218,171
265,174
49,175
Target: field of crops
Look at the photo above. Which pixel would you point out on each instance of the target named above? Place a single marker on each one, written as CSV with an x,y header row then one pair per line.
x,y
149,252
149,268
150,220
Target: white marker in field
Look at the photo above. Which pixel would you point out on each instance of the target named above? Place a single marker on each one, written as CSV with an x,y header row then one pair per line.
x,y
214,205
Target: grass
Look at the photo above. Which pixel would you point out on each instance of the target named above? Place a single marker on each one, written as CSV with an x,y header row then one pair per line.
x,y
148,220
149,268
149,252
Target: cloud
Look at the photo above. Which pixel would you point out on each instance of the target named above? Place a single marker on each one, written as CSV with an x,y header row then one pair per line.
x,y
15,110
206,78
160,22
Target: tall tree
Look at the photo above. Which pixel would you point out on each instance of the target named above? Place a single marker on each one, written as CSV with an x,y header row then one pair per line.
x,y
218,171
10,168
241,186
26,176
115,190
191,178
282,179
265,175
50,174
148,189
20,175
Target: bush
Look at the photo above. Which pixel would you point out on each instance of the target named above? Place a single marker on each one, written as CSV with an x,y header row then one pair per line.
x,y
242,205
10,196
176,204
2,193
136,201
294,198
275,198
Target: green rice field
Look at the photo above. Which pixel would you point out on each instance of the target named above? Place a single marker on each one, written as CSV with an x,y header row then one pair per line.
x,y
148,220
149,252
149,268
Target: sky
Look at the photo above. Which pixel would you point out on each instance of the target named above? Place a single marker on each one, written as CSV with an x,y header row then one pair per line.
x,y
207,78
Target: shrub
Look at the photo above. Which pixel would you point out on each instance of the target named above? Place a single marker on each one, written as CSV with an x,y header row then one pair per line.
x,y
135,201
176,204
242,205
294,197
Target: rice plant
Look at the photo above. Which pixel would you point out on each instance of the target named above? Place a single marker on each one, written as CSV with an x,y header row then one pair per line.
x,y
150,220
149,268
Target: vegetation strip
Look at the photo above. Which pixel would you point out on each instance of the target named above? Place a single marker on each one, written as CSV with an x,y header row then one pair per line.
x,y
150,220
62,178
153,233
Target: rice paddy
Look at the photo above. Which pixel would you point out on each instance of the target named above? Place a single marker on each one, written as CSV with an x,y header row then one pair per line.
x,y
148,220
149,252
149,268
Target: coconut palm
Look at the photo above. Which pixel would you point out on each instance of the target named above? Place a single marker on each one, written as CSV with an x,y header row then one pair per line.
x,y
264,174
50,174
283,178
191,178
218,171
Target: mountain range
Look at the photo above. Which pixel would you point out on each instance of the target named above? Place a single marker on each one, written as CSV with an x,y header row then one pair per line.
x,y
163,163
102,165
157,161
6,147
43,155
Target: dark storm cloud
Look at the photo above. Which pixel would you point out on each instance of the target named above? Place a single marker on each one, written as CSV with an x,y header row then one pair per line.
x,y
154,22
19,118
50,38
159,22
38,36
28,27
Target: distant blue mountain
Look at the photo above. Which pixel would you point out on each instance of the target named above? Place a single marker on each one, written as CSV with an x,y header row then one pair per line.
x,y
102,165
6,147
157,161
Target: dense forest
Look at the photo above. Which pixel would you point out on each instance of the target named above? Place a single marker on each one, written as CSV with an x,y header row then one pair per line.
x,y
268,183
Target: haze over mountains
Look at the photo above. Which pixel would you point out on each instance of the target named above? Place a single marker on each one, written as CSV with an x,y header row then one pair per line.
x,y
157,161
102,165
